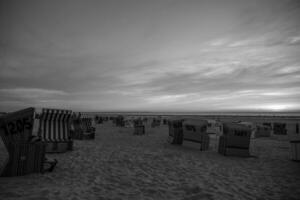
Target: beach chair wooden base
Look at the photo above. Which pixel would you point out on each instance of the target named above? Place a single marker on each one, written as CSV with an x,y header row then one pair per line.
x,y
24,158
177,138
59,147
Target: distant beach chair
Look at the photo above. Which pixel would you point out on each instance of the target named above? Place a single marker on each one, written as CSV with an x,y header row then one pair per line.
x,y
99,119
214,127
84,127
196,131
165,121
119,121
189,130
155,122
295,150
26,151
235,140
139,128
263,131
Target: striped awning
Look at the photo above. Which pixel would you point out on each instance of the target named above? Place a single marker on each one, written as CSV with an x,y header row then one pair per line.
x,y
55,125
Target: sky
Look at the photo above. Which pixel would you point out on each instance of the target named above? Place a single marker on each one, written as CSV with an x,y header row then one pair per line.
x,y
150,55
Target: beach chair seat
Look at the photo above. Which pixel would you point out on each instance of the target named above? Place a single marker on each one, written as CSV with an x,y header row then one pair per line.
x,y
139,127
25,158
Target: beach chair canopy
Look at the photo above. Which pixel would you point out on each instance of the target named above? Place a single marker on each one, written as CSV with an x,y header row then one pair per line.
x,y
195,125
17,126
54,124
236,129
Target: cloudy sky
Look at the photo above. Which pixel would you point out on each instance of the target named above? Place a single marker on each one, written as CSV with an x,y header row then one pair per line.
x,y
150,55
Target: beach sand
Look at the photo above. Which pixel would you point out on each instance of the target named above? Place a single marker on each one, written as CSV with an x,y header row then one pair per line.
x,y
119,165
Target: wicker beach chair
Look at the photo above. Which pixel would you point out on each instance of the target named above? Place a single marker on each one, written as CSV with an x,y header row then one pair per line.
x,y
139,127
188,130
196,131
84,127
119,121
155,122
26,151
235,140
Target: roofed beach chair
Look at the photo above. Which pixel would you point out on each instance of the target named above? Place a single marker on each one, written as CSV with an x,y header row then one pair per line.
x,y
165,121
139,127
263,131
189,130
214,127
99,119
155,122
196,131
84,127
26,151
119,121
175,131
235,140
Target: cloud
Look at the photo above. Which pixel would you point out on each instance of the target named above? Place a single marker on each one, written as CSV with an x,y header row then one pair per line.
x,y
294,40
218,42
31,93
167,98
180,55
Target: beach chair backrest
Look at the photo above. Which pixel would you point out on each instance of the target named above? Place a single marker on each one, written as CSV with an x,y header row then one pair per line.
x,y
55,125
237,135
194,130
238,130
87,121
17,126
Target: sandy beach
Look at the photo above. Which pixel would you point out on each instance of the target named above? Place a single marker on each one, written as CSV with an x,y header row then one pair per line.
x,y
119,165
